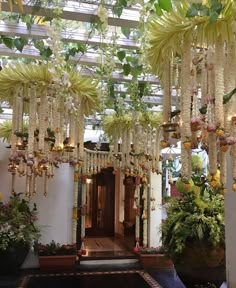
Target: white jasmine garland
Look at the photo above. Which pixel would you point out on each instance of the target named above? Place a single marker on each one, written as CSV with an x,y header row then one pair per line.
x,y
81,130
123,148
157,156
128,147
203,80
219,82
34,185
115,139
212,154
32,117
45,184
137,218
43,119
27,184
83,203
87,165
20,104
153,146
75,201
15,119
167,95
96,162
105,160
99,162
72,131
229,71
233,151
186,169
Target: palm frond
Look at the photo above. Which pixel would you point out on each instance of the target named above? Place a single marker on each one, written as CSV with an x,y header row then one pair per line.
x,y
167,33
86,89
13,77
115,124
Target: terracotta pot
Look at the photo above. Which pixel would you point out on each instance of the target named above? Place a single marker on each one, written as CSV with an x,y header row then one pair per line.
x,y
155,261
58,262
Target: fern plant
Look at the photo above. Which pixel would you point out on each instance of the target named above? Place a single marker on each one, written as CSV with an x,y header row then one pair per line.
x,y
195,218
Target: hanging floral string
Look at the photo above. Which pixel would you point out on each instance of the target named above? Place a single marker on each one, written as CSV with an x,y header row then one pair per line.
x,y
145,211
186,170
137,213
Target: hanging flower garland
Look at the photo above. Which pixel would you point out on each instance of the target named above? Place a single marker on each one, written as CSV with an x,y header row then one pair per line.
x,y
204,49
43,146
137,213
186,170
134,145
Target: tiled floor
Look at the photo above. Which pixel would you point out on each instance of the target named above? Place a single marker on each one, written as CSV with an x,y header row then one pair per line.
x,y
107,247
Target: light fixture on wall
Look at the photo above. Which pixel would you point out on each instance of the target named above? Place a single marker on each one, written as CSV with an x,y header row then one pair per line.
x,y
89,180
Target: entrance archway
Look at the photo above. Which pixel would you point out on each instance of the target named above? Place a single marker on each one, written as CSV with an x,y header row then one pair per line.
x,y
100,204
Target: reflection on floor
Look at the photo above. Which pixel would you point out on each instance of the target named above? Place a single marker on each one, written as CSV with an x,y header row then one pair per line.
x,y
103,244
107,247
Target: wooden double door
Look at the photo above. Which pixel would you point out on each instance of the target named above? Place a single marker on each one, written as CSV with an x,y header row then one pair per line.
x,y
101,204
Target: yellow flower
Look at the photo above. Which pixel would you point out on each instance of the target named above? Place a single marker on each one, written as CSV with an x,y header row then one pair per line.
x,y
206,3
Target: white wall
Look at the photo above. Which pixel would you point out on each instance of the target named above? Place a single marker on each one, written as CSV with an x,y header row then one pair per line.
x,y
230,224
55,210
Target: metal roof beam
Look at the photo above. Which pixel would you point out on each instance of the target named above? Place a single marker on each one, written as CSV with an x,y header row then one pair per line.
x,y
40,32
86,59
83,12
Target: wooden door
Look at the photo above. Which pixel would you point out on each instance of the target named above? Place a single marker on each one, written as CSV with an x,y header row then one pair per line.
x,y
101,204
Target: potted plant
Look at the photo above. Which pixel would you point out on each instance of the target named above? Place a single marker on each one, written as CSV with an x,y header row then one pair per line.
x,y
18,231
193,232
55,256
154,258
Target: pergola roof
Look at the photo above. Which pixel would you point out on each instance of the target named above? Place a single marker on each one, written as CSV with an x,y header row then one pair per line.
x,y
84,12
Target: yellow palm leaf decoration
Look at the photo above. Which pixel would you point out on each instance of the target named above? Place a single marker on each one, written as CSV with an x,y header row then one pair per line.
x,y
13,77
86,89
167,33
116,124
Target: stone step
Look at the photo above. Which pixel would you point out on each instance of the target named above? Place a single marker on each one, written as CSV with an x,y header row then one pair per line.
x,y
109,261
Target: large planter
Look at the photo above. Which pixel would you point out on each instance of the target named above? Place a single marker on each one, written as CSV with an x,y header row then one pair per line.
x,y
12,259
202,256
200,265
57,263
155,261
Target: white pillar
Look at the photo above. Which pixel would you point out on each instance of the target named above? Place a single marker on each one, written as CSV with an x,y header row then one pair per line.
x,y
230,232
155,216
